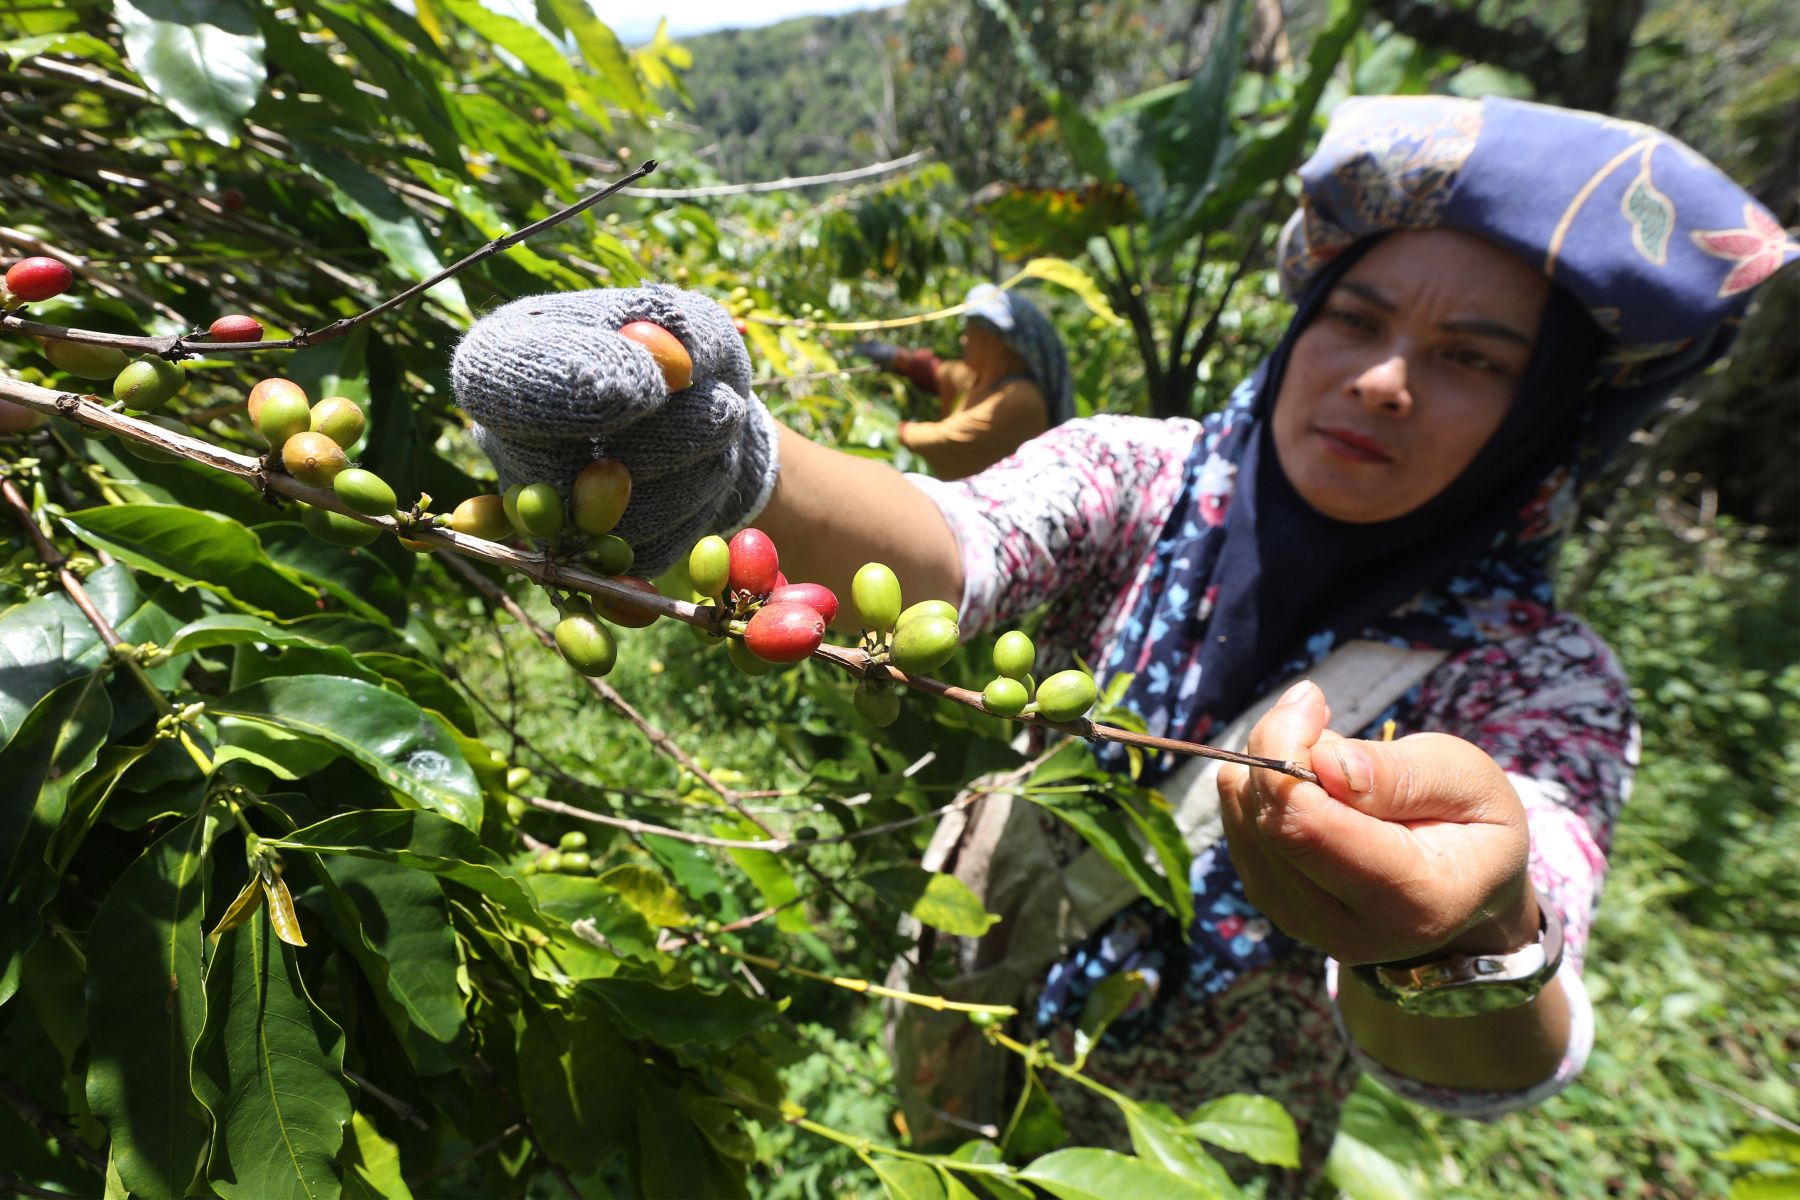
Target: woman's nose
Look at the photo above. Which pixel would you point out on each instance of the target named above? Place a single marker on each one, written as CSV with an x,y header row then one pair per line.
x,y
1384,385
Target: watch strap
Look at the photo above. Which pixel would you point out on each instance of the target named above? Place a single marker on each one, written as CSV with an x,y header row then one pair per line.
x,y
1458,985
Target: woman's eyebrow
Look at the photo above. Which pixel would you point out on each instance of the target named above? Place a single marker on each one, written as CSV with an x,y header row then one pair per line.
x,y
1479,326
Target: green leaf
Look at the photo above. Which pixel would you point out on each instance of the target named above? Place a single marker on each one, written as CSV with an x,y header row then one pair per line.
x,y
682,1015
146,1011
1263,160
1158,1136
201,58
81,45
1065,274
1772,1146
675,1160
1085,1173
1109,999
1360,1172
195,549
534,51
54,748
39,641
425,685
1087,146
1036,1126
421,841
997,1186
572,898
576,1079
612,71
371,1164
1103,827
1766,1185
270,1069
649,893
902,1179
940,901
397,927
770,874
1255,1126
396,741
392,227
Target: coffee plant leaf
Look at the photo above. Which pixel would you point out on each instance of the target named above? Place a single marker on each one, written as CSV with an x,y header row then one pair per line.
x,y
389,736
55,746
940,901
146,1012
420,841
397,927
270,1070
195,549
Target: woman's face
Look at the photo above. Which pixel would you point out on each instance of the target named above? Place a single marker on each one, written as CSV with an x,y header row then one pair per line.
x,y
985,352
1405,373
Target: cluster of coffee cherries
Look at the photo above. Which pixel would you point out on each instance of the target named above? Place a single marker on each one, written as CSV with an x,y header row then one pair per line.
x,y
570,857
1013,692
141,384
772,623
921,638
311,442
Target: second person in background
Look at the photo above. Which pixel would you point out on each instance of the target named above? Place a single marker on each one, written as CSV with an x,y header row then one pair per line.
x,y
1011,384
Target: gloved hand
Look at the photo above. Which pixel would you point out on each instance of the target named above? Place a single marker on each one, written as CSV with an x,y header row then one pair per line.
x,y
882,354
551,386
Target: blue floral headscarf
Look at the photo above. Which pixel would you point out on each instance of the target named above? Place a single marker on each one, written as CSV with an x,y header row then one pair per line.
x,y
1653,254
1028,333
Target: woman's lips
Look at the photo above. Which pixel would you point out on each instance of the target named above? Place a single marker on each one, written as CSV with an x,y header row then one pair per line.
x,y
1353,446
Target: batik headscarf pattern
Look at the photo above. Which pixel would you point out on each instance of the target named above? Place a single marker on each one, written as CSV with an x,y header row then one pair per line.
x,y
1028,333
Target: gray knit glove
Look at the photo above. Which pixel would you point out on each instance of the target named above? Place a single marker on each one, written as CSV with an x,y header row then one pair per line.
x,y
551,387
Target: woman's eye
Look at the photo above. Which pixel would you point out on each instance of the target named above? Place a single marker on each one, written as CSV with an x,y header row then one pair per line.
x,y
1352,320
1477,361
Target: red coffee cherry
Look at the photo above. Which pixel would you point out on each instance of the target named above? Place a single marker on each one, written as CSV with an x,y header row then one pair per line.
x,y
814,595
38,278
676,363
754,563
236,328
784,633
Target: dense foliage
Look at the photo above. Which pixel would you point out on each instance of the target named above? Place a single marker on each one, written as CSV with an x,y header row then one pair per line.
x,y
275,917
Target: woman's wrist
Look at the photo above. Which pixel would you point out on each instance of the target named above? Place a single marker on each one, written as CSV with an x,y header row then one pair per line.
x,y
1514,927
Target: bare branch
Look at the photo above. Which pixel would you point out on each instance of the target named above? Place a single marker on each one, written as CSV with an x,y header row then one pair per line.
x,y
788,184
179,346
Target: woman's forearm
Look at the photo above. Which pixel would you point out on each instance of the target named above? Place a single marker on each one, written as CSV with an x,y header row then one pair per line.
x,y
832,512
1508,1050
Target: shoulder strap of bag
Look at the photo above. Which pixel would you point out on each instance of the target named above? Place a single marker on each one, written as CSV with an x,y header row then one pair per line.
x,y
1360,679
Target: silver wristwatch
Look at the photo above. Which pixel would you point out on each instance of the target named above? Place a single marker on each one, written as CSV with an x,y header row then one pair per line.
x,y
1462,985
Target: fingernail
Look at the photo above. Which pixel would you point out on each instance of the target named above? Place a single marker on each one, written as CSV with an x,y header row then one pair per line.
x,y
1294,693
1358,772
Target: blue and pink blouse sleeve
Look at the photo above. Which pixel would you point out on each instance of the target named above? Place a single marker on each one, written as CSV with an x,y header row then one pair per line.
x,y
1078,506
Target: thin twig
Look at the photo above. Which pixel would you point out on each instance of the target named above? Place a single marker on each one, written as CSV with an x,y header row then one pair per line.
x,y
443,1169
180,346
12,1185
57,561
395,1104
790,183
49,1124
1749,1105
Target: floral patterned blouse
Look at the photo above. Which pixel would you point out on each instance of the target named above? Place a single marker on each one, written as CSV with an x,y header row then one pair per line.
x,y
1071,521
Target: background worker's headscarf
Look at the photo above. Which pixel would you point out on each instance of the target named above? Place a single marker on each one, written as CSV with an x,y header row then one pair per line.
x,y
1028,333
1653,253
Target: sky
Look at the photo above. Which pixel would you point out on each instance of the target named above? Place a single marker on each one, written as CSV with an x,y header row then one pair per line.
x,y
635,20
